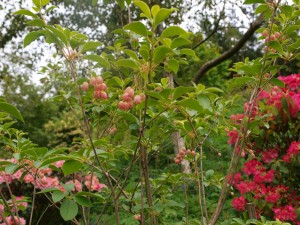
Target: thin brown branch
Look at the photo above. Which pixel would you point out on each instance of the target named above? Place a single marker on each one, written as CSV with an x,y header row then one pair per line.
x,y
216,24
228,54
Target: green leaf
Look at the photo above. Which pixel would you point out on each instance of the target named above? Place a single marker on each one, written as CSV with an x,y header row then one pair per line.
x,y
137,27
173,65
127,63
191,104
160,53
30,37
68,209
154,10
254,1
58,195
68,186
179,91
2,100
241,81
90,46
162,15
287,10
177,42
115,81
131,54
26,13
37,23
204,102
277,82
261,8
85,193
209,173
144,8
98,59
58,34
71,166
291,28
275,45
55,159
84,201
144,52
12,110
173,31
37,3
47,190
50,8
189,52
45,2
12,168
213,90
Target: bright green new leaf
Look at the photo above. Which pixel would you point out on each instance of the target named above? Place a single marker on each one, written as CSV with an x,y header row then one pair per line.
x,y
58,195
12,110
137,27
160,53
178,42
37,23
173,31
26,13
84,201
162,15
90,46
68,209
127,63
144,8
254,1
45,2
30,37
71,166
37,3
154,10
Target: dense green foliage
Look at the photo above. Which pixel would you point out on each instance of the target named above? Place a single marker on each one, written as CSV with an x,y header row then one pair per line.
x,y
120,139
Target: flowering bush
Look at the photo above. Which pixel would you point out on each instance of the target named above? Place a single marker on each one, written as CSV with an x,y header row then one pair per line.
x,y
42,179
269,176
19,203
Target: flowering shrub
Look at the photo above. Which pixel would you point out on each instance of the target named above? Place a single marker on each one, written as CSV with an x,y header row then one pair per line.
x,y
269,176
43,179
19,203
